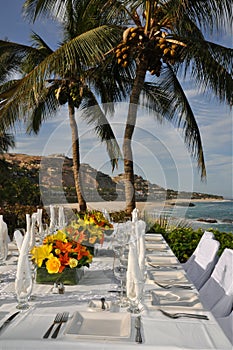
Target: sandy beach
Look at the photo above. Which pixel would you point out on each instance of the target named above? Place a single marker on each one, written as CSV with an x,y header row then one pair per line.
x,y
112,206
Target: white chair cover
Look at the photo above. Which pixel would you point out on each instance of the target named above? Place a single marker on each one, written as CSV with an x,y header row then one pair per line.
x,y
201,267
226,323
217,293
206,235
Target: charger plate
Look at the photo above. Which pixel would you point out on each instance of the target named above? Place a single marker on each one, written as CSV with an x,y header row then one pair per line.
x,y
100,325
180,298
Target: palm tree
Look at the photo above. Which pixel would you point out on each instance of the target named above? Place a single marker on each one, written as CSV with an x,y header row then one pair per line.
x,y
53,78
165,38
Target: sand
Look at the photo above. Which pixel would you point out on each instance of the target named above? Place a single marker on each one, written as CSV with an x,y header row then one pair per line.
x,y
141,206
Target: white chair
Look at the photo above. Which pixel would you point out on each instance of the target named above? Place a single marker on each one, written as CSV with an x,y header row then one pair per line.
x,y
226,323
201,267
216,294
206,235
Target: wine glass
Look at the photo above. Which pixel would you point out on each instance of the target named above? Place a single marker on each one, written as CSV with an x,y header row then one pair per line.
x,y
120,271
3,251
23,287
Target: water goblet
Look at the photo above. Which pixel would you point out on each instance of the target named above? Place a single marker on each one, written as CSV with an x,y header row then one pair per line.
x,y
3,251
23,289
120,271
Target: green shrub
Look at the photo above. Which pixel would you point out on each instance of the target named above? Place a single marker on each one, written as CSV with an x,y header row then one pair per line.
x,y
184,240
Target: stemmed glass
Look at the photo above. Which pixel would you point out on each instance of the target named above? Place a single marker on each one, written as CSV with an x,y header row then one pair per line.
x,y
3,252
120,271
23,288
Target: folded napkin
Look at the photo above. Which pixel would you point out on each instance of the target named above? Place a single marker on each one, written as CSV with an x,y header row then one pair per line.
x,y
4,239
136,261
23,280
61,217
135,214
106,215
18,236
39,220
52,217
34,220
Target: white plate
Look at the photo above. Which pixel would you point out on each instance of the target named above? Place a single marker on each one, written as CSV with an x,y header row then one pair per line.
x,y
156,246
100,325
181,298
153,237
169,276
162,260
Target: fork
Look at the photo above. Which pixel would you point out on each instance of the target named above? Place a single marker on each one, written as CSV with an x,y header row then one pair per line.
x,y
57,319
184,314
168,286
64,319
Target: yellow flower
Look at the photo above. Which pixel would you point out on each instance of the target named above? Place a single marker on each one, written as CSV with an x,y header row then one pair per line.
x,y
57,251
92,239
53,265
73,262
60,236
40,253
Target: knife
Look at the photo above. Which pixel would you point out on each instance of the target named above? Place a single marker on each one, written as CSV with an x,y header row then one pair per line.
x,y
138,337
8,320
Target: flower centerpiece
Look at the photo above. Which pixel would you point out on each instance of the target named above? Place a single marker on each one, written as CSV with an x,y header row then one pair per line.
x,y
63,254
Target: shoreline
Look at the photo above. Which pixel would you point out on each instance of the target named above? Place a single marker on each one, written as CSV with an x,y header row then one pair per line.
x,y
112,206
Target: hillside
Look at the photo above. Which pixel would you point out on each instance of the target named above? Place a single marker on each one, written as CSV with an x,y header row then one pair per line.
x,y
54,173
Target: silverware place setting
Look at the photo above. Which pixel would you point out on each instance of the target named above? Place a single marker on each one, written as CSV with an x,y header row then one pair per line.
x,y
58,320
169,286
183,314
138,325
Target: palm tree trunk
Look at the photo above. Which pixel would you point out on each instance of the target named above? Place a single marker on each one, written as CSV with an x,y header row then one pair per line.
x,y
76,159
129,130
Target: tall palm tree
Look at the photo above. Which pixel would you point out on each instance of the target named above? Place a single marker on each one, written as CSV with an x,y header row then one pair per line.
x,y
165,38
52,78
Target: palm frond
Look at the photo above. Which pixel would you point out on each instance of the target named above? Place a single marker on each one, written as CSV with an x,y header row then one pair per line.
x,y
6,141
93,115
181,115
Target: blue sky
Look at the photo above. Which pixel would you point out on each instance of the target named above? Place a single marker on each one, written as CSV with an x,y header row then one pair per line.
x,y
159,152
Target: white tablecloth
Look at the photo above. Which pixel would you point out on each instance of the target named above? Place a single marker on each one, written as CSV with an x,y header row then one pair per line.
x,y
158,331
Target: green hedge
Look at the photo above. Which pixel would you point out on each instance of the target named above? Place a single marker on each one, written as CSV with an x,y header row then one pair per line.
x,y
184,240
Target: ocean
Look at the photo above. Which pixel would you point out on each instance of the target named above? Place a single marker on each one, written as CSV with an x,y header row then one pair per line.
x,y
221,211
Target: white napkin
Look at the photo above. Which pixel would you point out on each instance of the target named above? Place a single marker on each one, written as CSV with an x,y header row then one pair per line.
x,y
28,222
39,220
61,217
140,229
23,279
135,214
34,219
4,238
52,217
18,239
106,215
136,261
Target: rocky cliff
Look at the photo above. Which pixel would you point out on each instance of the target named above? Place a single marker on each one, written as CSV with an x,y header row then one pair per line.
x,y
55,176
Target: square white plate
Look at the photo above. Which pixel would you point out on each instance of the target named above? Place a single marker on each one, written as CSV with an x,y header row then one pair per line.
x,y
156,246
100,325
162,260
168,276
153,237
179,298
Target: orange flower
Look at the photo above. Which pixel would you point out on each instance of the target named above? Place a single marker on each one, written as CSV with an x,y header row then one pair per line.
x,y
64,247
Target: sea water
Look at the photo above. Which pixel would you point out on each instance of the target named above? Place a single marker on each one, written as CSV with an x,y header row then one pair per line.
x,y
221,211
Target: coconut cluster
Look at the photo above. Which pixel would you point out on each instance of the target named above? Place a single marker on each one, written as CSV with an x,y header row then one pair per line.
x,y
66,91
157,48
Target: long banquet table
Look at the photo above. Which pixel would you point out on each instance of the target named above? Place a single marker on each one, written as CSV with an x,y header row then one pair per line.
x,y
112,328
